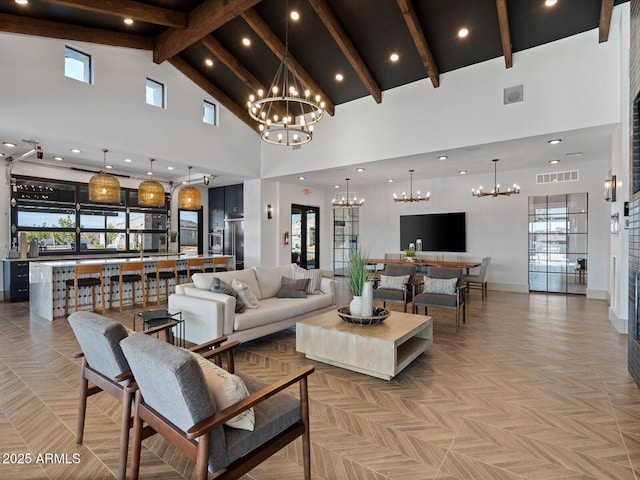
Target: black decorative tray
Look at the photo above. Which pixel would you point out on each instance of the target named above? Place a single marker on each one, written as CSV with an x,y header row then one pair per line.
x,y
379,315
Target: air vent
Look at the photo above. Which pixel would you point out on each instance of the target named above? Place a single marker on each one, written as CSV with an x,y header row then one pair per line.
x,y
513,95
555,177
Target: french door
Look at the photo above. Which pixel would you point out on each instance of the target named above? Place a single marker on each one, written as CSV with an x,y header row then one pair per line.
x,y
305,236
558,230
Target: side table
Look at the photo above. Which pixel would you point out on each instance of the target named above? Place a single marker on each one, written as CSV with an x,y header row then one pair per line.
x,y
155,318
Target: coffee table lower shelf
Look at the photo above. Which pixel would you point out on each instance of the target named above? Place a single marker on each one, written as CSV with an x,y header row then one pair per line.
x,y
381,351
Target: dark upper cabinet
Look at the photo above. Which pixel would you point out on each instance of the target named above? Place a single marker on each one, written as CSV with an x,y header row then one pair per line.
x,y
216,209
233,201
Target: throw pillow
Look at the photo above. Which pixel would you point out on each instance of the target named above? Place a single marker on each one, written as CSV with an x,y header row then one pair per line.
x,y
393,282
225,390
441,286
293,288
245,293
314,276
220,286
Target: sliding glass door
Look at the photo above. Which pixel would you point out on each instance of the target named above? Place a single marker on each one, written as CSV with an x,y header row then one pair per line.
x,y
305,231
558,229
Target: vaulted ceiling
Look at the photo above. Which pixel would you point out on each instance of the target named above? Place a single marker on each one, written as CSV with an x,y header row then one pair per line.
x,y
354,38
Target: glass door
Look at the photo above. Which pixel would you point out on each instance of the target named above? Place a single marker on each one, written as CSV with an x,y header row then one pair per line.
x,y
558,243
305,231
346,221
190,231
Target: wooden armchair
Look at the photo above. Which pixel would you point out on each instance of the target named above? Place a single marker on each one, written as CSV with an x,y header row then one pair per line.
x,y
187,417
399,293
105,366
442,288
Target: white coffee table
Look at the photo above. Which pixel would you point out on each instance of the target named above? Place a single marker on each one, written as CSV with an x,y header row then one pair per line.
x,y
381,351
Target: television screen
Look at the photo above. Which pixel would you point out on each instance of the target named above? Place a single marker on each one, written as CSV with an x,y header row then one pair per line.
x,y
439,232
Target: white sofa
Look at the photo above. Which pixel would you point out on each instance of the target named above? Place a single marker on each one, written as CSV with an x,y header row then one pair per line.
x,y
208,315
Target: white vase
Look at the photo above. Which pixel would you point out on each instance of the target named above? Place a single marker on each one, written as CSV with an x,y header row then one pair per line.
x,y
355,307
367,299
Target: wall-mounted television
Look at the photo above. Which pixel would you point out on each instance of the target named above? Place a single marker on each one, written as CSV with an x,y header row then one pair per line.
x,y
439,232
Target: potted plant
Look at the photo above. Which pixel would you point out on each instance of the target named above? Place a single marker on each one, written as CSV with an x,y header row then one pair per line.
x,y
410,255
173,239
358,279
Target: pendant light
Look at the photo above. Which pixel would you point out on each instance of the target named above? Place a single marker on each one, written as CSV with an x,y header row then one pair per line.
x,y
189,197
104,188
150,192
496,186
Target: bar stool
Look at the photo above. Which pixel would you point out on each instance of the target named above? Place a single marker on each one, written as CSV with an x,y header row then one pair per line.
x,y
131,278
162,273
78,282
220,264
192,264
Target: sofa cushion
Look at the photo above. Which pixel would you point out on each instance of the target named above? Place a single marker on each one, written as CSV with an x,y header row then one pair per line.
x,y
314,276
245,293
226,389
275,309
293,288
220,286
269,279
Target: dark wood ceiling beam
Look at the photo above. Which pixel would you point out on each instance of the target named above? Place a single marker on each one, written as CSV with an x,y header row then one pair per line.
x,y
231,62
196,77
49,29
606,10
278,48
411,19
505,35
346,45
128,8
201,21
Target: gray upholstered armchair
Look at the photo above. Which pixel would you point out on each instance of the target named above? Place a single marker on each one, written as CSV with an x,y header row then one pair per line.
x,y
389,290
442,288
176,399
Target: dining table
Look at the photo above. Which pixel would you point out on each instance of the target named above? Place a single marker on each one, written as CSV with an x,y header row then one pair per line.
x,y
420,262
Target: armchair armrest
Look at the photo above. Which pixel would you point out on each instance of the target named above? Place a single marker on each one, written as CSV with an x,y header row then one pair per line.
x,y
218,352
206,425
215,343
166,329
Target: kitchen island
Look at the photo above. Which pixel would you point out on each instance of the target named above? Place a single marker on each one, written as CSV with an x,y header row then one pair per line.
x,y
47,278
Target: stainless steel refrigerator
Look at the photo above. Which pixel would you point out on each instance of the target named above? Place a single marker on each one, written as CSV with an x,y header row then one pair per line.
x,y
234,239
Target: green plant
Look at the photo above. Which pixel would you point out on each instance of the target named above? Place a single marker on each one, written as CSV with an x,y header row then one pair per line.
x,y
357,272
173,235
410,253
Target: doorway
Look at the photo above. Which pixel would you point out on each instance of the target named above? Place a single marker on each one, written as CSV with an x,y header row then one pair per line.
x,y
305,236
190,231
558,231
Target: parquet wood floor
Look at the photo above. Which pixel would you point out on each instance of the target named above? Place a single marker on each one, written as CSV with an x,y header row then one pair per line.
x,y
534,387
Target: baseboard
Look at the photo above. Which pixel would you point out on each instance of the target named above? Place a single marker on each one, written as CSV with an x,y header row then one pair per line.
x,y
508,287
597,294
620,324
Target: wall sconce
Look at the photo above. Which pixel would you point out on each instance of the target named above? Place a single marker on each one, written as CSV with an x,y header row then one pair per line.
x,y
269,212
610,188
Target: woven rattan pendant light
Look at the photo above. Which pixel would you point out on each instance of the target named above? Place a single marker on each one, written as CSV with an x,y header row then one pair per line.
x,y
189,197
104,188
150,192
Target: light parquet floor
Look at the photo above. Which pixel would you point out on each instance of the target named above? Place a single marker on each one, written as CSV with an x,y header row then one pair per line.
x,y
534,387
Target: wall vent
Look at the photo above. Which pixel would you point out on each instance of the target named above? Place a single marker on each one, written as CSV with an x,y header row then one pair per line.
x,y
555,177
513,95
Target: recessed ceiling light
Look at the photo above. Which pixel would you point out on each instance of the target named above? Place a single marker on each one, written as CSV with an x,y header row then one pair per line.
x,y
9,144
1,154
442,157
295,15
209,62
554,141
550,3
300,178
462,172
128,21
169,168
553,162
108,167
390,180
463,32
336,186
149,173
246,42
22,2
394,57
58,157
360,169
75,150
339,77
573,154
127,160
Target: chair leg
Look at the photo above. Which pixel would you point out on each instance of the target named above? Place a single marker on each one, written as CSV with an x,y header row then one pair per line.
x,y
121,298
125,422
66,301
137,443
202,462
306,440
82,404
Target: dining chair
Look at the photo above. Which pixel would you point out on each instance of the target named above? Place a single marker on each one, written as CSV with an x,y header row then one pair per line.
x,y
478,281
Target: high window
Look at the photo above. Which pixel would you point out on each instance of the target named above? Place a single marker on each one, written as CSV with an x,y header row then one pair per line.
x,y
155,93
77,65
209,114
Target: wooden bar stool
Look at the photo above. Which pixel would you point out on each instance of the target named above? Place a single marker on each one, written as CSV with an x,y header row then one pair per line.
x,y
220,264
77,282
165,270
192,264
124,277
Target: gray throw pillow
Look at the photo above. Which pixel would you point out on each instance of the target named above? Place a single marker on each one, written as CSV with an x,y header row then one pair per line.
x,y
220,286
293,288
